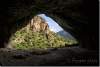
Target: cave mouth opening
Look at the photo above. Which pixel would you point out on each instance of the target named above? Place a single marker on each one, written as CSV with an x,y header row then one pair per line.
x,y
41,32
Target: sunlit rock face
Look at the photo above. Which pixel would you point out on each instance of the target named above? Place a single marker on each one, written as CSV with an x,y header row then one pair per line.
x,y
38,24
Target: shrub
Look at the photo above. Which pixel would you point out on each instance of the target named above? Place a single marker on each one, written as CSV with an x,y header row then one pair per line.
x,y
28,40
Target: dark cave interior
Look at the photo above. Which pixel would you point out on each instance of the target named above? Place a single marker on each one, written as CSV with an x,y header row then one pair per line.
x,y
80,15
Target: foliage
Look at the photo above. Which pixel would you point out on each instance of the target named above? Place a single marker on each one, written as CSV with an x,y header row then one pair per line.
x,y
24,39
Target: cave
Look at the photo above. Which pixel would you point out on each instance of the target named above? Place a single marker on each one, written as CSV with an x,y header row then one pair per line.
x,y
79,18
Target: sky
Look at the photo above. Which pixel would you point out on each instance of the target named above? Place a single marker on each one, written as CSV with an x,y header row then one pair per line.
x,y
52,24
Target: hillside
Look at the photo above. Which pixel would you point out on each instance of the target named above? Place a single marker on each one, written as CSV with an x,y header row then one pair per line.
x,y
37,35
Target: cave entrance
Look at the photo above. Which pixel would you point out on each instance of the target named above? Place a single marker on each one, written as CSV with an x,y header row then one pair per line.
x,y
41,32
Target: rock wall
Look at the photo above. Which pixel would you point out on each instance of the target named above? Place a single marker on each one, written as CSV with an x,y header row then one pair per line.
x,y
77,14
78,18
38,24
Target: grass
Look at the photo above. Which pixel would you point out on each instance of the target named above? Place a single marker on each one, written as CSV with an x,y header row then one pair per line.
x,y
24,39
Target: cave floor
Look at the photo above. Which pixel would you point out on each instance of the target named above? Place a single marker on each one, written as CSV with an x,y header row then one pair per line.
x,y
61,56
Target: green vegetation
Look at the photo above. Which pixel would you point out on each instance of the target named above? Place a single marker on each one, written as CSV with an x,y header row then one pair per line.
x,y
24,39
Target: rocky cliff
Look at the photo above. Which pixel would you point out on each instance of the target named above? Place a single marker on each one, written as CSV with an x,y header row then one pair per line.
x,y
38,24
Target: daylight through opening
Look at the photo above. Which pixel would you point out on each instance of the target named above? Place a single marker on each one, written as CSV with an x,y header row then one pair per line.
x,y
41,32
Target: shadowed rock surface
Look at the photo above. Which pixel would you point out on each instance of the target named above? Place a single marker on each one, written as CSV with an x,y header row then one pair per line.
x,y
79,17
61,56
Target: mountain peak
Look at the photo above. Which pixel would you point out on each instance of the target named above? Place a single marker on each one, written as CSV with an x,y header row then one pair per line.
x,y
38,24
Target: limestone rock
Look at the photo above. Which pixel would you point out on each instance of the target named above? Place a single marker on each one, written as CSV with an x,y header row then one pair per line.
x,y
38,24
